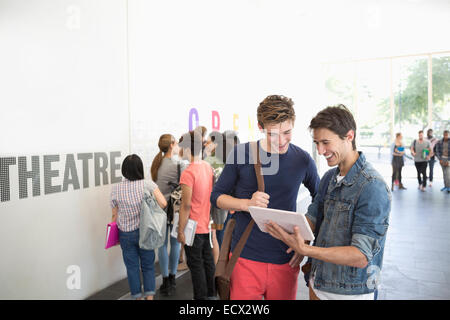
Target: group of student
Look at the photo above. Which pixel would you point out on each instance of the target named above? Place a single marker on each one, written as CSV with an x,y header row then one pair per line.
x,y
349,213
424,152
178,162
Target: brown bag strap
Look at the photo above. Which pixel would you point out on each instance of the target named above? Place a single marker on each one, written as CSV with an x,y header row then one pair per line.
x,y
254,147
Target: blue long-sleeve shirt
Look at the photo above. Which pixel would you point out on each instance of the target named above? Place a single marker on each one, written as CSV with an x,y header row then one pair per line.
x,y
238,179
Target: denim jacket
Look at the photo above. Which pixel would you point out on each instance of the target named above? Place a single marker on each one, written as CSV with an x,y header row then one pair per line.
x,y
356,213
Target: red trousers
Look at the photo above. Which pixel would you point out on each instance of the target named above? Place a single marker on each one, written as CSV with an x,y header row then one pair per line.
x,y
253,280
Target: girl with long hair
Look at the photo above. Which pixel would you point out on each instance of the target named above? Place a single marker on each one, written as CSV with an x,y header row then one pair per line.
x,y
166,170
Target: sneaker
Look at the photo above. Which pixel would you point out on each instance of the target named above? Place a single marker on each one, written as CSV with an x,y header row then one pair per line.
x,y
444,189
431,184
422,189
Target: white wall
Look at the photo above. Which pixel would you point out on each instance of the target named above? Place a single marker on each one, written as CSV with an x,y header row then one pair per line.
x,y
64,91
113,75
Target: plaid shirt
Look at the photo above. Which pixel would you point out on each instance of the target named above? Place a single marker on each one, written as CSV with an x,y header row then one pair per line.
x,y
127,196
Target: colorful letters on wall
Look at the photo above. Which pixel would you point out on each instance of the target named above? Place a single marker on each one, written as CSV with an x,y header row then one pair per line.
x,y
194,121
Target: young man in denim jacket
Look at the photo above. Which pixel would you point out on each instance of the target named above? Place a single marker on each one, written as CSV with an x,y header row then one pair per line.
x,y
348,252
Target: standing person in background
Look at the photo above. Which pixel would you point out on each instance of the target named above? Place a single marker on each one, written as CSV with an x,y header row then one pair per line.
x,y
202,131
443,154
212,154
214,151
419,150
166,170
432,160
231,140
126,199
182,259
398,154
196,185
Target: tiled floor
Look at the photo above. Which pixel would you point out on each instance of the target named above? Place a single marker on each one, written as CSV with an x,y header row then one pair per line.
x,y
416,258
417,254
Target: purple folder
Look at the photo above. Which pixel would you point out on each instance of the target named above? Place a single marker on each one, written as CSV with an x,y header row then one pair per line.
x,y
112,235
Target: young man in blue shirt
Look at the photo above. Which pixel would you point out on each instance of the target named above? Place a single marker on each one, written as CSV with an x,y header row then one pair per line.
x,y
353,204
264,269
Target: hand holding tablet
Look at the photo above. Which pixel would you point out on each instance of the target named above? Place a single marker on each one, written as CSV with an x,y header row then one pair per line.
x,y
285,219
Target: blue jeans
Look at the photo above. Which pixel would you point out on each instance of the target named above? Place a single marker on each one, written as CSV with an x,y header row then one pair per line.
x,y
137,259
169,262
431,166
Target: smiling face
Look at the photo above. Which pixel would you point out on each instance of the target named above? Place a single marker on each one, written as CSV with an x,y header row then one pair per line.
x,y
278,136
335,149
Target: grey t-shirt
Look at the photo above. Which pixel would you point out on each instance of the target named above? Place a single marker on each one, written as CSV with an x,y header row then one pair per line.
x,y
418,148
168,172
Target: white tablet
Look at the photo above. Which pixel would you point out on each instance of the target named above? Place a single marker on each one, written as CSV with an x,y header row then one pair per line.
x,y
285,219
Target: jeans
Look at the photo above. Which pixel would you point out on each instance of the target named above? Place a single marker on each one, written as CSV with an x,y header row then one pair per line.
x,y
137,260
446,174
421,168
200,261
169,262
431,165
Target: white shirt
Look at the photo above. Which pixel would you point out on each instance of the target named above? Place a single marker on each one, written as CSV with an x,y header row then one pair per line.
x,y
323,295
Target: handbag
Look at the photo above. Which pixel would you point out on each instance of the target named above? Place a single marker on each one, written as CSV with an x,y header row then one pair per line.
x,y
112,235
225,264
153,222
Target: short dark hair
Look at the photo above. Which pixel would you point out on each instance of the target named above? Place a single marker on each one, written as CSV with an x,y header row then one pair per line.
x,y
132,168
192,140
215,136
231,139
421,131
218,139
337,119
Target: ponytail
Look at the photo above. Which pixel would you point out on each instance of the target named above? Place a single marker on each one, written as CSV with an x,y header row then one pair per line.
x,y
164,145
155,165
